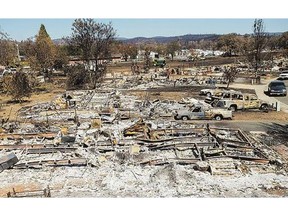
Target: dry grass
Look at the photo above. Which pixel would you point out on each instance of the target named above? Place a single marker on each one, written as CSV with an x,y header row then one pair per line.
x,y
19,188
38,97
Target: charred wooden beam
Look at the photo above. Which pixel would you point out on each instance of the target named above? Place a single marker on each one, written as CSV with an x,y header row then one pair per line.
x,y
232,145
20,146
28,136
33,146
239,142
154,162
214,152
155,141
55,163
30,193
244,136
50,150
197,150
163,161
259,160
173,145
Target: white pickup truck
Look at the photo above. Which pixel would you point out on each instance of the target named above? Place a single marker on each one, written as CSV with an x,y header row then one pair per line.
x,y
245,101
198,112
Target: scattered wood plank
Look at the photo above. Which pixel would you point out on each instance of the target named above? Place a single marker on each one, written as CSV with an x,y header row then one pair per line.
x,y
258,160
55,163
50,150
28,136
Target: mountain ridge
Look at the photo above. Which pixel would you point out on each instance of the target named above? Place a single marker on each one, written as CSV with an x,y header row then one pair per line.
x,y
167,39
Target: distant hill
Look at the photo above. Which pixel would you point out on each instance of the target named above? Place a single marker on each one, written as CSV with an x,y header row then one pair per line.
x,y
161,39
158,39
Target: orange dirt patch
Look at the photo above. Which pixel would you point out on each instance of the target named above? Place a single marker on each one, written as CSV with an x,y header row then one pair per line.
x,y
19,188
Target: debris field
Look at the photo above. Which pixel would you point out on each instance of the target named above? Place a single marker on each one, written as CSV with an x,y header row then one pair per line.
x,y
108,143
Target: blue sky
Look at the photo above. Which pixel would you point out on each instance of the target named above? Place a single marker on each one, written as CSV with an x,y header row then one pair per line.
x,y
21,29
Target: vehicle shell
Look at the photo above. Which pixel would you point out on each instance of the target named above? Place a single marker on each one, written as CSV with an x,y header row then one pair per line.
x,y
210,92
199,112
226,94
247,101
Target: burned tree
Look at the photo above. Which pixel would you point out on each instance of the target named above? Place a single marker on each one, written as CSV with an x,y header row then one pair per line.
x,y
147,61
135,69
76,77
259,42
45,51
172,47
229,43
283,43
94,40
8,50
230,75
18,86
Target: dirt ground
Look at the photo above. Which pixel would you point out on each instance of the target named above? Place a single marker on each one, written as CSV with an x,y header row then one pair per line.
x,y
10,109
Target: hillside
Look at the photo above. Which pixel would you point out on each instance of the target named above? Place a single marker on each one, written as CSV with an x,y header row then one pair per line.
x,y
161,39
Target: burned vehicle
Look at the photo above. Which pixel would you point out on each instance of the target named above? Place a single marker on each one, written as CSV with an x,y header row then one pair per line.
x,y
225,94
245,101
210,92
199,111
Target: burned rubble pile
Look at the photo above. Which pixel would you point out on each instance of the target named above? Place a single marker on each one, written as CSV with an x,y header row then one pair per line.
x,y
106,144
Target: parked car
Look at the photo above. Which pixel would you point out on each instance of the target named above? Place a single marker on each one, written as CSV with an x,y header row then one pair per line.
x,y
277,87
283,75
198,112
